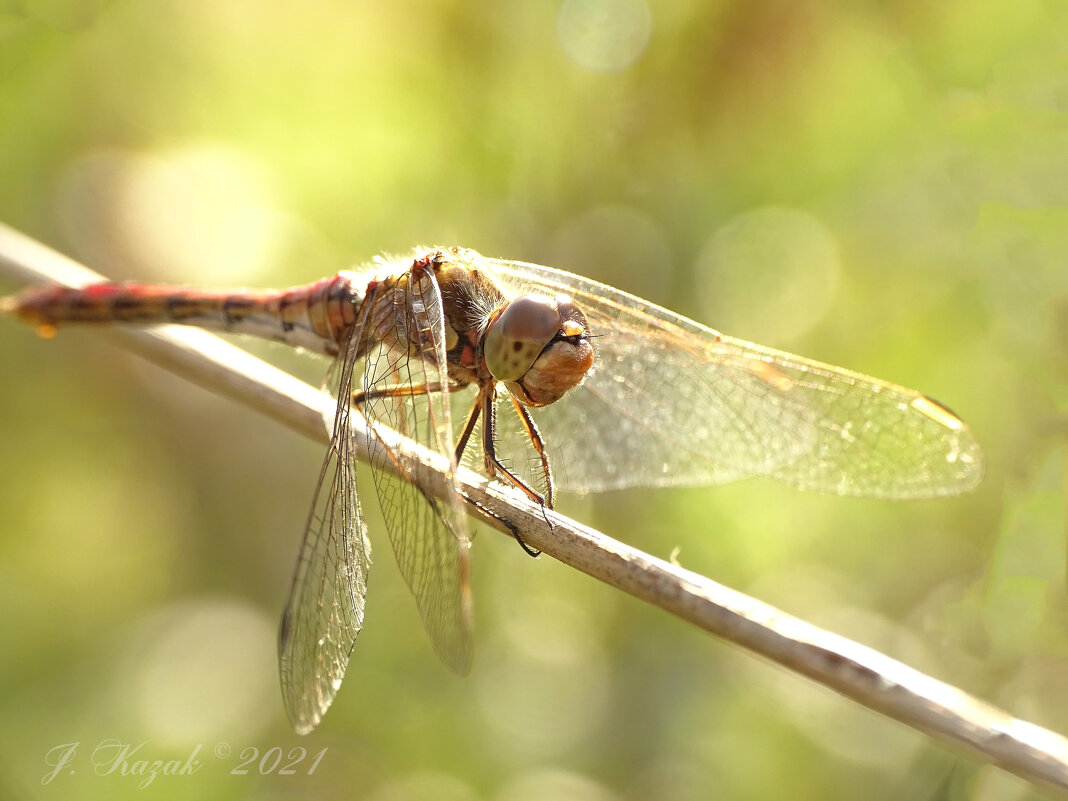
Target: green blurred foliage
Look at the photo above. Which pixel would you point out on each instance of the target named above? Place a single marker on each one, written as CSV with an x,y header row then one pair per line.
x,y
912,156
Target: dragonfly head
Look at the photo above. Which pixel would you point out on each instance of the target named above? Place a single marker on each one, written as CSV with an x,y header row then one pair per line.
x,y
539,347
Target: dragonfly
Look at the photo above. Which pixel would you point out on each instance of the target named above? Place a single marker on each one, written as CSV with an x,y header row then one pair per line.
x,y
474,358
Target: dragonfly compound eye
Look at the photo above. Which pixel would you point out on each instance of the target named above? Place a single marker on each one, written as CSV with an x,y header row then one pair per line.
x,y
539,346
519,334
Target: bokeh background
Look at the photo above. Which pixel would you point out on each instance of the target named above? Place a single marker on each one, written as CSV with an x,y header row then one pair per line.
x,y
881,185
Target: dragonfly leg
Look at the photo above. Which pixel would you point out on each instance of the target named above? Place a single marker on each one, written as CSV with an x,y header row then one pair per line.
x,y
507,524
361,397
494,467
469,427
486,400
539,446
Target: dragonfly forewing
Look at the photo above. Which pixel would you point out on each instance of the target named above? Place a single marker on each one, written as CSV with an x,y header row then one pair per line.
x,y
692,406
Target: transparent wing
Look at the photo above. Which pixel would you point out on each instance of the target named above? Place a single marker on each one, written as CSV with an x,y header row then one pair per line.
x,y
672,402
326,601
430,536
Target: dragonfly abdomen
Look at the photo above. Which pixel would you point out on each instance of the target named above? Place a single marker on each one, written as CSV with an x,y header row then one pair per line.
x,y
315,316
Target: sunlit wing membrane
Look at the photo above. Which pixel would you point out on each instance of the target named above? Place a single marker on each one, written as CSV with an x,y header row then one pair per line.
x,y
325,609
429,535
688,406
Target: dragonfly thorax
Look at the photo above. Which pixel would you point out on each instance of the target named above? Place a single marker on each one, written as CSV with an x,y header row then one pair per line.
x,y
539,347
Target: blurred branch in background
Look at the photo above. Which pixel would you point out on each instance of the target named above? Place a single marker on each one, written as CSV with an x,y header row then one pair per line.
x,y
860,673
